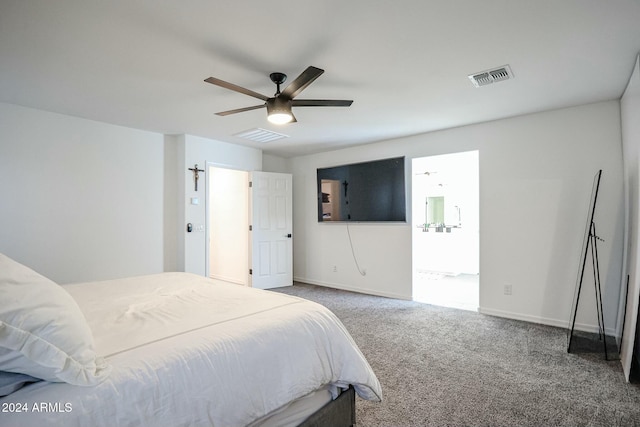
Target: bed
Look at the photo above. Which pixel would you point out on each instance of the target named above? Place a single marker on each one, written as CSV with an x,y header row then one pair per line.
x,y
172,349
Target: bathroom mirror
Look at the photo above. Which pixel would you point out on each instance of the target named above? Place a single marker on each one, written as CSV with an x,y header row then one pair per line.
x,y
435,210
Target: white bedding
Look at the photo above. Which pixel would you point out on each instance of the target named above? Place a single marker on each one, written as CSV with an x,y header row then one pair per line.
x,y
191,351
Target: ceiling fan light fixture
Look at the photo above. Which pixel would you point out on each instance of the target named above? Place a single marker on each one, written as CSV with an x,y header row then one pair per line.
x,y
279,111
280,118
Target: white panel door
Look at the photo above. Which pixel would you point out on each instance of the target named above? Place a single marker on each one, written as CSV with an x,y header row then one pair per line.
x,y
271,228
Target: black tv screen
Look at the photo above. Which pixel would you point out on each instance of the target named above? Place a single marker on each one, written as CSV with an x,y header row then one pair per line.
x,y
371,191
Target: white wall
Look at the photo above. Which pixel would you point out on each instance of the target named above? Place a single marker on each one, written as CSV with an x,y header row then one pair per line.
x,y
172,214
630,118
536,174
271,163
322,252
197,150
80,200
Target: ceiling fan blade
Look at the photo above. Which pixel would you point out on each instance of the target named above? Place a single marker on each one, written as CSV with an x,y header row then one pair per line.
x,y
236,88
301,82
239,110
321,103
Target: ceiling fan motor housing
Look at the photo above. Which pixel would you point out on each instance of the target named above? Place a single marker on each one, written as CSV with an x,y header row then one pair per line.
x,y
278,105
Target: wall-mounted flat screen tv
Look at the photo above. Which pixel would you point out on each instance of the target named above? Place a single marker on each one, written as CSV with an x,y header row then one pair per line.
x,y
371,191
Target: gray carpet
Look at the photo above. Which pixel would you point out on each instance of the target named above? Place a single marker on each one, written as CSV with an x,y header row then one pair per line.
x,y
446,367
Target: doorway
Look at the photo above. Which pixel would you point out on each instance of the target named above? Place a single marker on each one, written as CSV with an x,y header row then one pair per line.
x,y
249,227
228,224
445,235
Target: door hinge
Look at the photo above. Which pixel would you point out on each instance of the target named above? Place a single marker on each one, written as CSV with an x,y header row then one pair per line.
x,y
250,271
251,228
250,184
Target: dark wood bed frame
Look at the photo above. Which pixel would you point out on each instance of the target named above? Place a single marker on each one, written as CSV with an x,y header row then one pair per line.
x,y
340,412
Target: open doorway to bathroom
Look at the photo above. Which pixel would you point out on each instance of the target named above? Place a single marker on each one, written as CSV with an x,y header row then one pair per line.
x,y
445,232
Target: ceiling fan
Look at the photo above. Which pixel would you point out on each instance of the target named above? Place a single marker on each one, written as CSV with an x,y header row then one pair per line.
x,y
279,105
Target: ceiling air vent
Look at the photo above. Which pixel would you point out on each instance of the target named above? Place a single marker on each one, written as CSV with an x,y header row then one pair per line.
x,y
484,78
260,135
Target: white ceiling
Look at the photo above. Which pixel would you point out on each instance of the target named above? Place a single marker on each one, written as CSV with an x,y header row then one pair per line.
x,y
142,63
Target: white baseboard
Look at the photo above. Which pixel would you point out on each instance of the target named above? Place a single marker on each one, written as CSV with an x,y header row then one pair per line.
x,y
544,321
352,289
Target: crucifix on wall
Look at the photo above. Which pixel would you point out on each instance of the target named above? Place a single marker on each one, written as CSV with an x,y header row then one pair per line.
x,y
196,175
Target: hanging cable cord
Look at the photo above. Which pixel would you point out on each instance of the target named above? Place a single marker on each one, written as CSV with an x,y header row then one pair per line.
x,y
362,272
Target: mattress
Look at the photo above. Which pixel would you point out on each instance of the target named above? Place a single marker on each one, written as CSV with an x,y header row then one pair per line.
x,y
187,350
295,412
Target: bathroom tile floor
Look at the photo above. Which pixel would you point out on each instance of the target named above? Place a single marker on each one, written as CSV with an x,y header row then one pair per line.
x,y
443,289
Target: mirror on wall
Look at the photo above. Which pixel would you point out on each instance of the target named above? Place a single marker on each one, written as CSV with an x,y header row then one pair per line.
x,y
442,213
435,210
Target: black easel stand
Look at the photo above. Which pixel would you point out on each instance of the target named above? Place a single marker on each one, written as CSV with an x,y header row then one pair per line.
x,y
592,242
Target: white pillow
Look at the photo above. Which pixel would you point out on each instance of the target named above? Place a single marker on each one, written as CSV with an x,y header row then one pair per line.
x,y
43,333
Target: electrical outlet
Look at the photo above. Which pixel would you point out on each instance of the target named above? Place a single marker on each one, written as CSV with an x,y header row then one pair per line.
x,y
335,268
508,289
